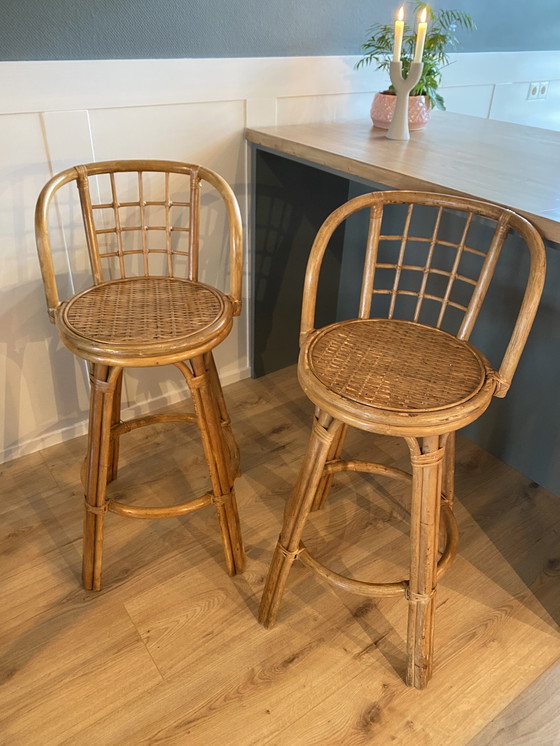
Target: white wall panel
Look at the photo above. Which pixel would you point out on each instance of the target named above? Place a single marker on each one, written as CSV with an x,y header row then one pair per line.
x,y
510,104
41,388
260,112
473,99
501,67
68,138
92,84
302,109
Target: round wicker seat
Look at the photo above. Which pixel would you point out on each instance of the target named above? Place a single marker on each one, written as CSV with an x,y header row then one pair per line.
x,y
397,374
141,318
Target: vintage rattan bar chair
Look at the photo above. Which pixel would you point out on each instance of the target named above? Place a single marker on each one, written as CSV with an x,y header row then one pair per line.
x,y
394,370
145,306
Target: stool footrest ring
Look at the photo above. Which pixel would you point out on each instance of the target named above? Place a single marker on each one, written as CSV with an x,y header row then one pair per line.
x,y
359,587
363,588
338,465
126,426
133,511
452,532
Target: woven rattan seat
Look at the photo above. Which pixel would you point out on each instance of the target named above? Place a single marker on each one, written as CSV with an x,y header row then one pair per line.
x,y
407,373
147,307
141,315
395,365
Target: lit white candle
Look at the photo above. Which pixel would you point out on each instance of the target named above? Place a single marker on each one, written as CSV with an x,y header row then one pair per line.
x,y
399,31
420,37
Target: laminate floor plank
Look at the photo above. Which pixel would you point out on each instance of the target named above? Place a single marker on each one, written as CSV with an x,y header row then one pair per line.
x,y
66,667
532,718
22,478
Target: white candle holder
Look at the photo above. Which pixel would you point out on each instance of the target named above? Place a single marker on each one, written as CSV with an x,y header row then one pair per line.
x,y
398,129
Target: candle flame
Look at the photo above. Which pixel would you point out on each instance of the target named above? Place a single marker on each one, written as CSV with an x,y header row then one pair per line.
x,y
423,15
400,14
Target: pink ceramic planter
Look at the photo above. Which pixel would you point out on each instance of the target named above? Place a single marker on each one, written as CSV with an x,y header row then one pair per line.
x,y
383,108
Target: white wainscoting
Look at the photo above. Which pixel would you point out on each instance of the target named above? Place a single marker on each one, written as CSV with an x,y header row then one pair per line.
x,y
57,114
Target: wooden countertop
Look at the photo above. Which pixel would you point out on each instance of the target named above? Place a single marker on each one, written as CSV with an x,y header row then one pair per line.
x,y
510,164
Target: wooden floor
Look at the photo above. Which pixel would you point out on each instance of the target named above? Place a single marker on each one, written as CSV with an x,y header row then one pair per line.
x,y
170,650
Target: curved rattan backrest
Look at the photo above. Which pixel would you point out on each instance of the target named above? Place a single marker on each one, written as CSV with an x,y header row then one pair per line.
x,y
141,218
436,266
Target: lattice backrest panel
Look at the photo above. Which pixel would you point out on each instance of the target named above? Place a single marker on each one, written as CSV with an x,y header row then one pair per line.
x,y
141,223
429,264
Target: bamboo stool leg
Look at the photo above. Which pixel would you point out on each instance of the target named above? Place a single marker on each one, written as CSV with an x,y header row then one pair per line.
x,y
115,420
427,469
326,482
218,395
219,463
449,470
103,382
325,430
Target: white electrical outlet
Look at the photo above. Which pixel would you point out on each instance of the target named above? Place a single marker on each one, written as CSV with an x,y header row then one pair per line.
x,y
533,92
543,89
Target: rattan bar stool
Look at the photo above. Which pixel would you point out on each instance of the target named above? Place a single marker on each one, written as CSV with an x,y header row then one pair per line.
x,y
395,370
146,307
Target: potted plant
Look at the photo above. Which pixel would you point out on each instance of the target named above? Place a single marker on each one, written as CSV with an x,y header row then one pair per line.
x,y
440,37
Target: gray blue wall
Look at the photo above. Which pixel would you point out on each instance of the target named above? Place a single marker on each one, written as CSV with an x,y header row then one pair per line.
x,y
109,29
